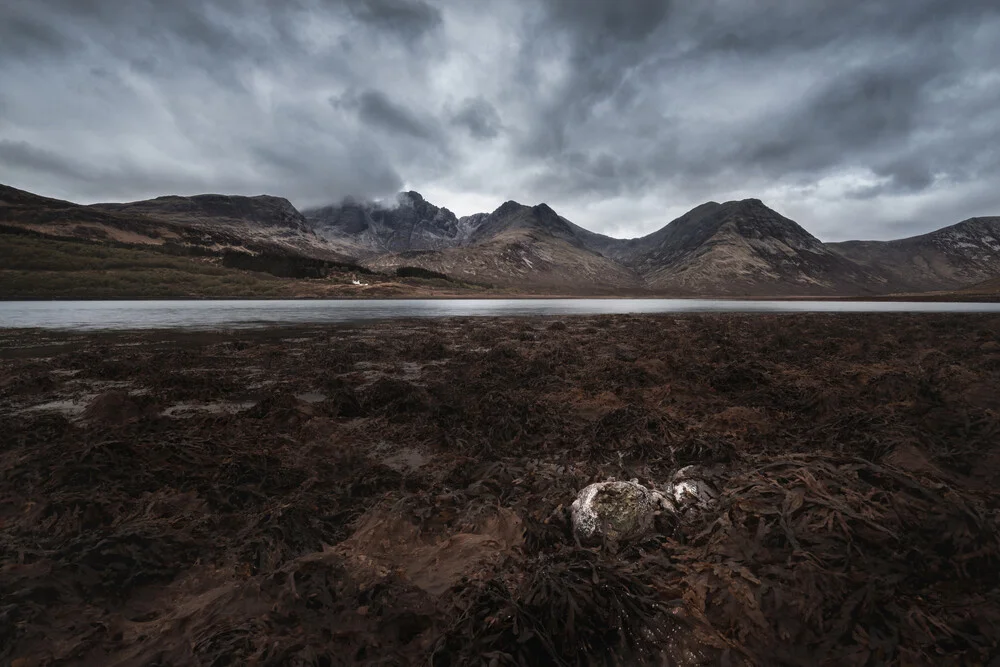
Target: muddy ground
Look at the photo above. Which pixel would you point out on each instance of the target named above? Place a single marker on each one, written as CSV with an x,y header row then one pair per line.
x,y
395,494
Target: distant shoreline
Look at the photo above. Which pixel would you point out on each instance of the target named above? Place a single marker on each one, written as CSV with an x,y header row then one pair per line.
x,y
904,298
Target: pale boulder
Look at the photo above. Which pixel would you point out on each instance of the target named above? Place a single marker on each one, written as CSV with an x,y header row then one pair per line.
x,y
616,511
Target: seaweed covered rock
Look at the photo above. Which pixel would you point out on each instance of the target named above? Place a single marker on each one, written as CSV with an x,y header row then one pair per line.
x,y
395,399
822,559
115,408
283,409
616,511
694,487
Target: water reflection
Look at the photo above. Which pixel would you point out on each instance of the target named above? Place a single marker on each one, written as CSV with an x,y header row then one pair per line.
x,y
211,314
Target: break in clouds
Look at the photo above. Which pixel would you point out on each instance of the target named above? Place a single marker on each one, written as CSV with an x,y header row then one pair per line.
x,y
858,119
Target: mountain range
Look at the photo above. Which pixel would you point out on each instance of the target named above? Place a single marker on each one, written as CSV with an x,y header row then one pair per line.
x,y
734,248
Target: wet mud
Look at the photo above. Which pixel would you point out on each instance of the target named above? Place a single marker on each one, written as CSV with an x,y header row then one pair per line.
x,y
399,493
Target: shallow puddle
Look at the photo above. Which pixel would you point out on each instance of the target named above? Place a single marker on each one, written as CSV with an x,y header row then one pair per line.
x,y
70,407
406,459
311,397
215,408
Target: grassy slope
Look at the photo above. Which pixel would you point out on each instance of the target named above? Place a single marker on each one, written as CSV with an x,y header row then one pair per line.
x,y
36,267
991,286
40,267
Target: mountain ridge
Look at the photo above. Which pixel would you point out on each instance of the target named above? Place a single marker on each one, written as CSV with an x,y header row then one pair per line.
x,y
370,227
733,248
520,246
744,247
951,257
211,222
265,210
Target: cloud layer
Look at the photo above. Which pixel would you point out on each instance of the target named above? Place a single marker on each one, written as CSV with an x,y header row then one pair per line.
x,y
858,119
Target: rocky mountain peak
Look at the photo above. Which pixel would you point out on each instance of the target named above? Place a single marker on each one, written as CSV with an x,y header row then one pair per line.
x,y
752,218
512,216
751,204
545,212
750,208
550,220
508,208
410,222
414,209
410,198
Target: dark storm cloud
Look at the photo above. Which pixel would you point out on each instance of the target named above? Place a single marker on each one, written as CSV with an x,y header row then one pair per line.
x,y
901,176
22,155
708,99
600,42
408,18
374,108
857,118
601,23
854,111
790,26
314,172
24,36
127,100
479,117
61,25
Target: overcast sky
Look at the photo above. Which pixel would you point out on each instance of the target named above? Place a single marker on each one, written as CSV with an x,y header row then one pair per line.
x,y
859,119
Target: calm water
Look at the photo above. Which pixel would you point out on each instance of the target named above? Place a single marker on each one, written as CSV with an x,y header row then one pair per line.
x,y
96,315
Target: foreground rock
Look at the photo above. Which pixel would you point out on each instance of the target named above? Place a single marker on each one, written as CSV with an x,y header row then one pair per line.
x,y
693,487
616,511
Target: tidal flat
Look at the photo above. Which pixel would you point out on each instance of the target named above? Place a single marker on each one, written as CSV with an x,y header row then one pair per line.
x,y
396,493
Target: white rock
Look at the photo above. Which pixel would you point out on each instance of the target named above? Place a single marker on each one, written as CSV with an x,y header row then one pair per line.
x,y
689,487
616,510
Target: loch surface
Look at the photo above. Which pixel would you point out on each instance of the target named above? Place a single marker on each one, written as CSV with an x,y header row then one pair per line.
x,y
221,314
